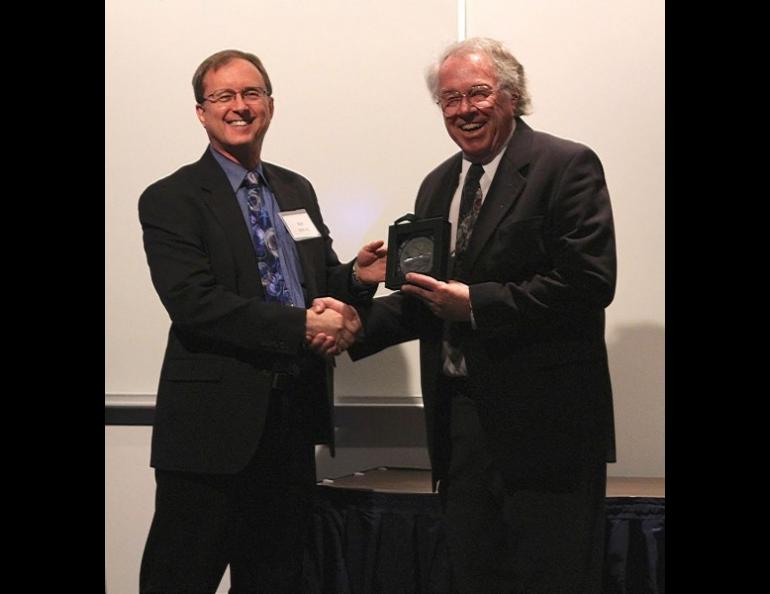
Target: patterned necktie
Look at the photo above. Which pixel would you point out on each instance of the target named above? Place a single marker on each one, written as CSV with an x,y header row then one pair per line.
x,y
470,204
265,243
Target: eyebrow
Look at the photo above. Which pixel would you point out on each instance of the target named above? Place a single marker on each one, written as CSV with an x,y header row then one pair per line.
x,y
469,88
231,90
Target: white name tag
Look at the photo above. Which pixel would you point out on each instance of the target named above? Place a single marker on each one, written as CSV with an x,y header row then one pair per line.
x,y
299,224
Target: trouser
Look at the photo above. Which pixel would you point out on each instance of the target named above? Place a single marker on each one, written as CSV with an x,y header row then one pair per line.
x,y
526,541
254,520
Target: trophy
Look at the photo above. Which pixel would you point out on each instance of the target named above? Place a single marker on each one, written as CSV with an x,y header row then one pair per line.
x,y
417,245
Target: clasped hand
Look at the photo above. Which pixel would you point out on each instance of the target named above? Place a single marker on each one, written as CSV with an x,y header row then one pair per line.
x,y
331,326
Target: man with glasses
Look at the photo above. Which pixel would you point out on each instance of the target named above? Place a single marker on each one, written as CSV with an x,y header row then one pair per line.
x,y
515,381
238,252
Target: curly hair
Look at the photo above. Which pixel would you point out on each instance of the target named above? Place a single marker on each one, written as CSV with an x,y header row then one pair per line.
x,y
510,73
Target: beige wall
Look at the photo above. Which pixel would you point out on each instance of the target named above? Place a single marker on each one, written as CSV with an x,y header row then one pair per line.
x,y
352,115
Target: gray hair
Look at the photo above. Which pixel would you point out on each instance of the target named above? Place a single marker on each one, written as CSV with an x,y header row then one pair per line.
x,y
216,61
510,73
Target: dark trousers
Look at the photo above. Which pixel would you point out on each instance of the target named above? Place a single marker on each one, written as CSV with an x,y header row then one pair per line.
x,y
504,540
255,520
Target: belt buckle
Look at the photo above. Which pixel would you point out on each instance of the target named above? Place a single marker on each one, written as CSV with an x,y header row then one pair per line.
x,y
281,380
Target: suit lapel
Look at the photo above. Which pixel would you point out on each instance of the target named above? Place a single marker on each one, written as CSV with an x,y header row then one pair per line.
x,y
285,193
502,195
440,200
219,196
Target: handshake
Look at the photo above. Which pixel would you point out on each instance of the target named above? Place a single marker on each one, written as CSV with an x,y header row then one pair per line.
x,y
331,326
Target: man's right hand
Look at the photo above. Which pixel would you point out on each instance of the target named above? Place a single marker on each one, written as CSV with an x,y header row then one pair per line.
x,y
331,326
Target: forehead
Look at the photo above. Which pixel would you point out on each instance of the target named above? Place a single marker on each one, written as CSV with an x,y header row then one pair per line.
x,y
236,73
460,72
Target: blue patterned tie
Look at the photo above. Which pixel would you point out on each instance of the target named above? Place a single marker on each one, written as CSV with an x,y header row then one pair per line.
x,y
265,243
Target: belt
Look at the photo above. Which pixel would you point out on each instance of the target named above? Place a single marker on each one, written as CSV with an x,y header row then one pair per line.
x,y
285,373
455,384
281,380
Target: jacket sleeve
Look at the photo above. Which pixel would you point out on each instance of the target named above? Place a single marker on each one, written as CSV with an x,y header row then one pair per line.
x,y
391,320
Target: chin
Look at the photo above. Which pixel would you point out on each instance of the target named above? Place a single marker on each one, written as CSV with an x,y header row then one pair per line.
x,y
240,141
474,148
477,155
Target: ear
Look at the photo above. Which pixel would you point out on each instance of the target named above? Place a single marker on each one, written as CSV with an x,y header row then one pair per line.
x,y
270,106
514,101
201,113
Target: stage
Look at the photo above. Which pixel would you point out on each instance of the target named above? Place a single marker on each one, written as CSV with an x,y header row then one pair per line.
x,y
380,530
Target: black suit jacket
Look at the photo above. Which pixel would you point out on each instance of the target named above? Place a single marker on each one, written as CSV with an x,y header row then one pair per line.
x,y
541,269
225,342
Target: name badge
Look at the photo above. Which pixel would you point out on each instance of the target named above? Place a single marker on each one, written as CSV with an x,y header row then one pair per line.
x,y
299,224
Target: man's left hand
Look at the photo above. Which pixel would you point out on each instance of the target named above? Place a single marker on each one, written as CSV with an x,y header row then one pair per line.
x,y
372,260
447,300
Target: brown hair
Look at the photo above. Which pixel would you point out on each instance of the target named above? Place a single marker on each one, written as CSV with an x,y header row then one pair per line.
x,y
218,60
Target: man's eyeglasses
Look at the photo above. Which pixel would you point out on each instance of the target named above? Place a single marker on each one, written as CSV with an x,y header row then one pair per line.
x,y
479,96
249,95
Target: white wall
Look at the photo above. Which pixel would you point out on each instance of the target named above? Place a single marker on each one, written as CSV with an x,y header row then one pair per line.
x,y
128,505
352,114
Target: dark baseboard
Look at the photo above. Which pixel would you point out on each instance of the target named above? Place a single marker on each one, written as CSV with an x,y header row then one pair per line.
x,y
129,415
351,420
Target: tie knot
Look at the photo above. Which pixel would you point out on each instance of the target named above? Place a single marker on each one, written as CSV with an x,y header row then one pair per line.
x,y
474,173
252,180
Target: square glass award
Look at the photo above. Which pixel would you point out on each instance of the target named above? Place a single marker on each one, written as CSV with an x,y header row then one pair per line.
x,y
417,245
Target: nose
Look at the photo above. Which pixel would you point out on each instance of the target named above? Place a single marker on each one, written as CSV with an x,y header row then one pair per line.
x,y
466,107
238,103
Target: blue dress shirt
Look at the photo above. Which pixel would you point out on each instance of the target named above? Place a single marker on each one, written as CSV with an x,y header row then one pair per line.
x,y
290,267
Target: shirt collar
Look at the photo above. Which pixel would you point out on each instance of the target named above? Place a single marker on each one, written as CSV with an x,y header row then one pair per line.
x,y
235,172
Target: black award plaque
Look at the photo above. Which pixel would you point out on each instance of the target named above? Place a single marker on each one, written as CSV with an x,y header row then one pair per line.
x,y
417,245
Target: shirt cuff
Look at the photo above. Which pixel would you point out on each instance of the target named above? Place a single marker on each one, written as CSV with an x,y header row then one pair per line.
x,y
358,289
355,282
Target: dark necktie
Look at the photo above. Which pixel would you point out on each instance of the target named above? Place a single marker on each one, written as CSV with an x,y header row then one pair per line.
x,y
265,243
470,204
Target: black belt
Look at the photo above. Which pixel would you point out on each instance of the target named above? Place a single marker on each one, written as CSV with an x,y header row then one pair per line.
x,y
455,384
281,380
284,374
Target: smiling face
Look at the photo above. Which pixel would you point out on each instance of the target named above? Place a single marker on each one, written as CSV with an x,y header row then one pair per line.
x,y
479,131
237,128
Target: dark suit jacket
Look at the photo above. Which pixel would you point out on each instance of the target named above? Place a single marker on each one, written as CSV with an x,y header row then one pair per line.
x,y
225,342
541,269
